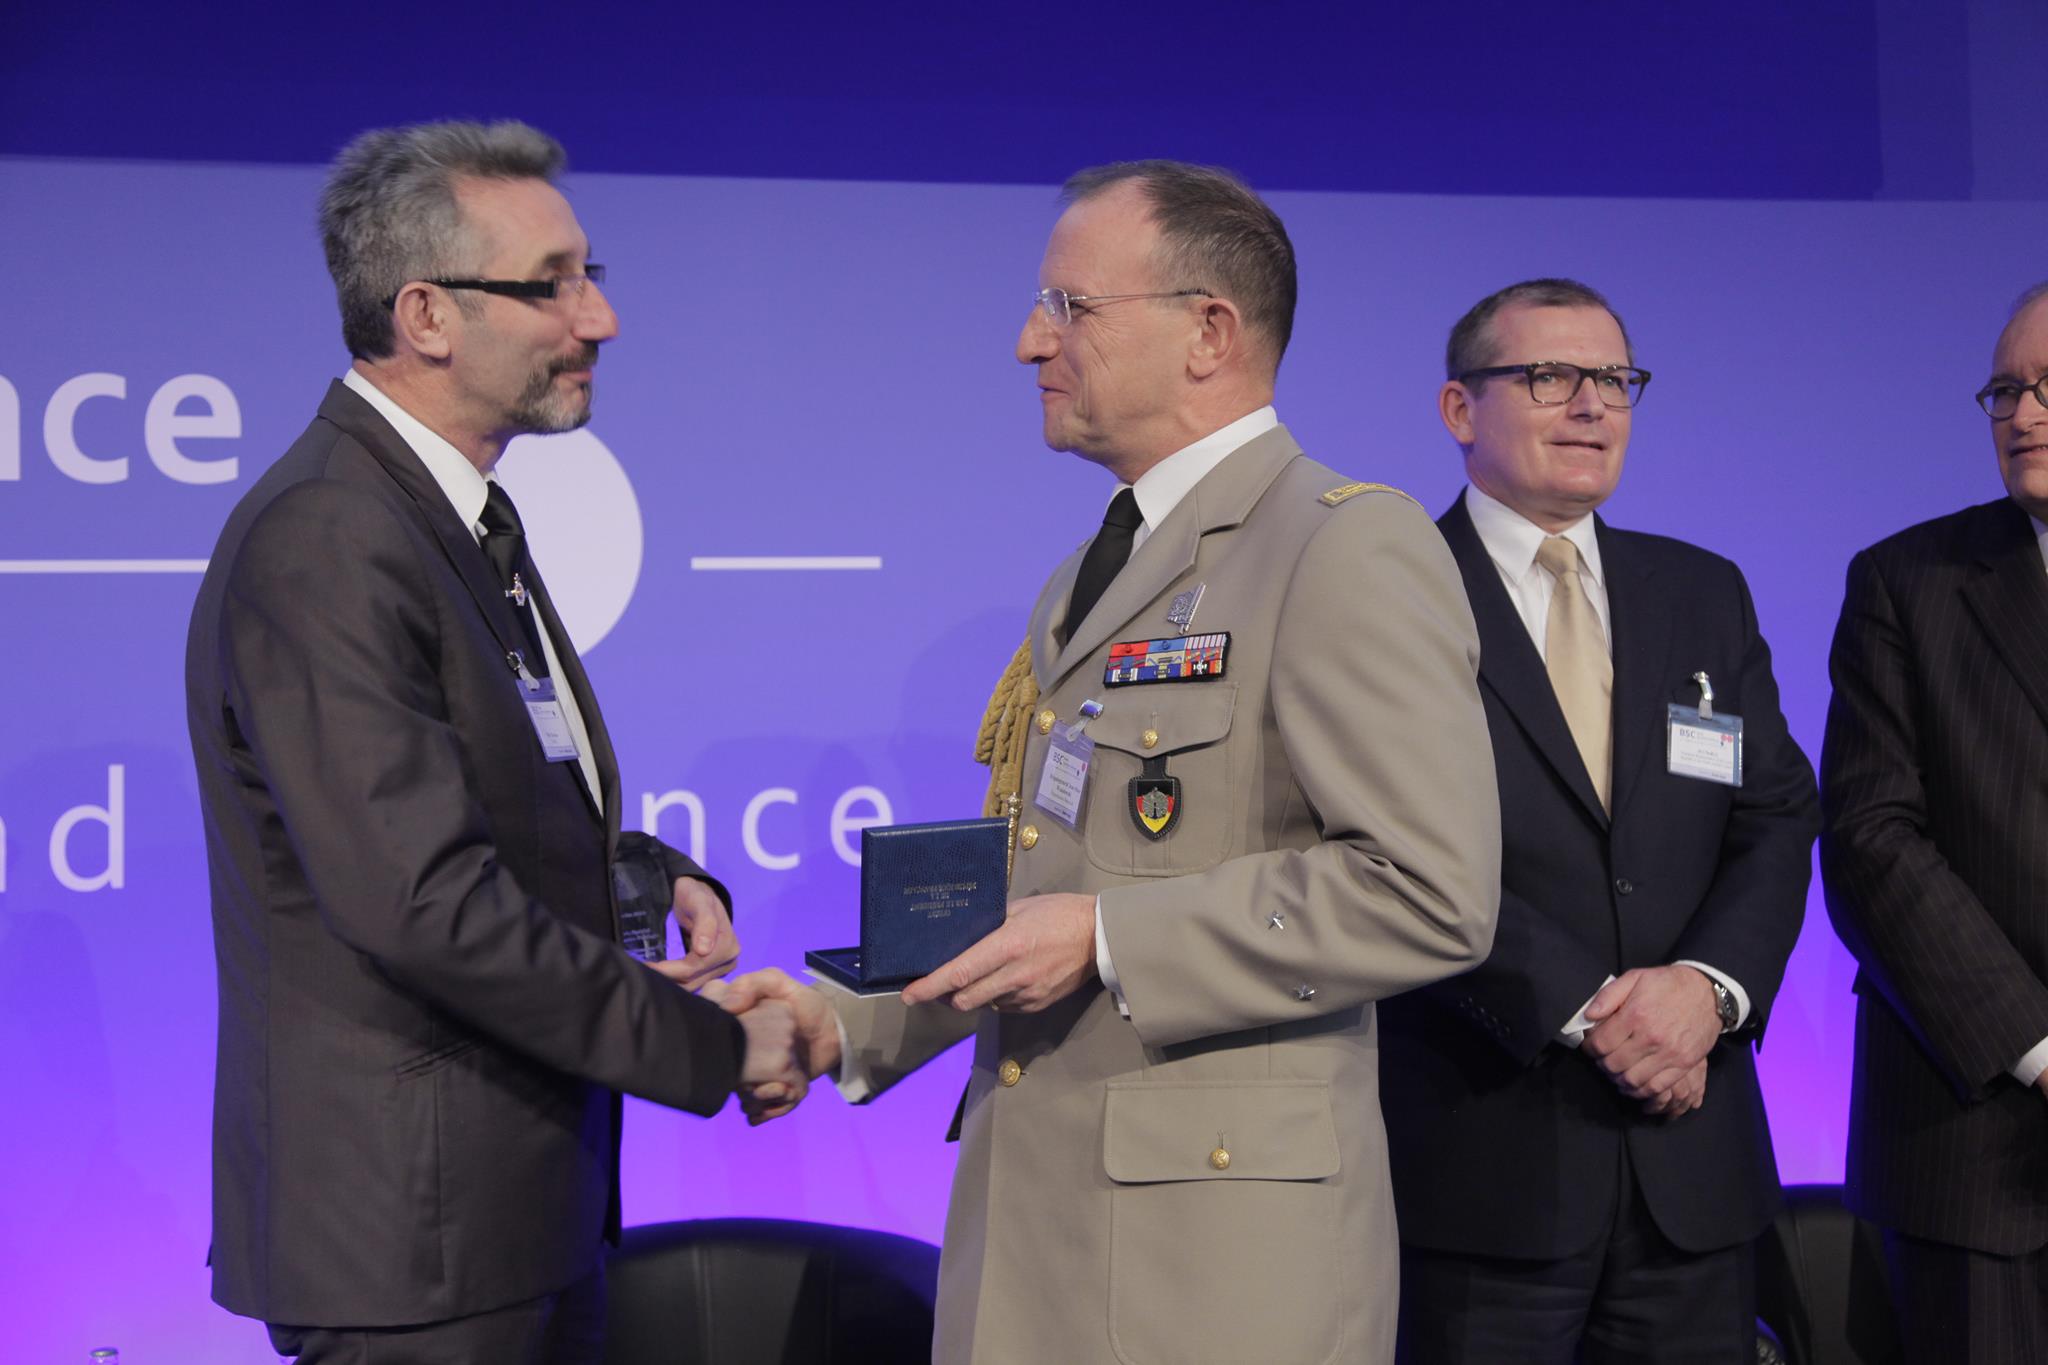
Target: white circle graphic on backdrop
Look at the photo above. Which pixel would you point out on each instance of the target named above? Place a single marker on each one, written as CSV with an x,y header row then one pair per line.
x,y
583,523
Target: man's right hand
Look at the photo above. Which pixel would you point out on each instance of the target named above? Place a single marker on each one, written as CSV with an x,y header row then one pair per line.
x,y
772,1076
815,1029
2041,1083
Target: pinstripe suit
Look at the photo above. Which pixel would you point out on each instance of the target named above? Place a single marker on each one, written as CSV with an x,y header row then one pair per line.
x,y
1935,861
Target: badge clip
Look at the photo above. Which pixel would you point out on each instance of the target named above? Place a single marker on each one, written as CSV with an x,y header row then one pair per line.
x,y
517,663
1706,695
1089,710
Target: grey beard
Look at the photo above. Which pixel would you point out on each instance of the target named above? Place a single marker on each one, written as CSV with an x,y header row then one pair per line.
x,y
542,411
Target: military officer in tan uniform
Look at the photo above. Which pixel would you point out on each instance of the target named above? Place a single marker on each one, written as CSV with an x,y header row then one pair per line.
x,y
1171,1143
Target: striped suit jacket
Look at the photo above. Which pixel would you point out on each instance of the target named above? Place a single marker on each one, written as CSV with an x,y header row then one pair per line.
x,y
1934,781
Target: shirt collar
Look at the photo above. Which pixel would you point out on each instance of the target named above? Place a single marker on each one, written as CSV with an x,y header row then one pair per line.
x,y
466,489
1511,539
1160,489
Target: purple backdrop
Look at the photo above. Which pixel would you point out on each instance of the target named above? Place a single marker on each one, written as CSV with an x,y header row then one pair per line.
x,y
806,370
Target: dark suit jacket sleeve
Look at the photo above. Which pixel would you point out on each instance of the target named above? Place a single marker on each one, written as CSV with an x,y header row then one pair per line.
x,y
1918,931
1749,920
674,863
1537,977
335,677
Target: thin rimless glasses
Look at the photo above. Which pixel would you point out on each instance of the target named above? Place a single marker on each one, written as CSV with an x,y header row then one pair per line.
x,y
1060,306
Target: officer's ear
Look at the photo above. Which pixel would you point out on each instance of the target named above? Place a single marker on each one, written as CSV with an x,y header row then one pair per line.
x,y
1219,337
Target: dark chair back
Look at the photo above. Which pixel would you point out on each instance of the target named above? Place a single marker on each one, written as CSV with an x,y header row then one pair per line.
x,y
765,1291
1821,1283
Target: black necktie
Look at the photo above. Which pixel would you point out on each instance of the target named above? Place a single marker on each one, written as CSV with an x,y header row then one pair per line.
x,y
1106,555
505,543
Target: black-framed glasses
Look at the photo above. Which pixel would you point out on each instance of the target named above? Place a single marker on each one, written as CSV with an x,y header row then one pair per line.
x,y
2000,398
1553,382
554,286
1060,306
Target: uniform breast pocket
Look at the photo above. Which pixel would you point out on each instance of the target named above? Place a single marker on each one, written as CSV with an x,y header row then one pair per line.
x,y
1162,798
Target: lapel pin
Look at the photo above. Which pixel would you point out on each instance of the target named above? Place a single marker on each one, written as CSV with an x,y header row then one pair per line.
x,y
1182,613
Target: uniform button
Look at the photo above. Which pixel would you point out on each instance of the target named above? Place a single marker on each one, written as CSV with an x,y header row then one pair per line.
x,y
1027,837
1623,886
1220,1159
1149,740
1009,1073
1045,720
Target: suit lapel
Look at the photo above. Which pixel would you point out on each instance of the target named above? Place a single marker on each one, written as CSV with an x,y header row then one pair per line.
x,y
2009,597
1508,662
1222,499
1640,616
346,409
1051,610
607,762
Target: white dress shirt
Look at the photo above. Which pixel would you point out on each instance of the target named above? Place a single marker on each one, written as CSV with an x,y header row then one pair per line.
x,y
1511,542
467,490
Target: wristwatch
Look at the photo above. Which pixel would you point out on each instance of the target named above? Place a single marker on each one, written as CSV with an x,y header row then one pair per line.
x,y
1725,1006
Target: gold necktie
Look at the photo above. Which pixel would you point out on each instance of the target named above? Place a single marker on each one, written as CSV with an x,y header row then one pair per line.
x,y
1581,672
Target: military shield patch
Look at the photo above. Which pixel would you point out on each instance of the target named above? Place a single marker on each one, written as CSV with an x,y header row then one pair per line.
x,y
1154,803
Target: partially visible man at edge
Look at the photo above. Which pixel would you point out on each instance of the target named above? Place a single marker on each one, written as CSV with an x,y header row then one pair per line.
x,y
412,813
1171,1147
1934,780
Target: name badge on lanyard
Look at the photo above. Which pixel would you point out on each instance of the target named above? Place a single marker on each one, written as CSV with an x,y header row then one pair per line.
x,y
1063,781
1700,744
544,709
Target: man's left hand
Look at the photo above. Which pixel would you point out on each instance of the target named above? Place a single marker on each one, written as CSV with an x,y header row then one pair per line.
x,y
1653,1026
707,929
1040,955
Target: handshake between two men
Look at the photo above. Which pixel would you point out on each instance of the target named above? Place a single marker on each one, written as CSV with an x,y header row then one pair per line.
x,y
1043,951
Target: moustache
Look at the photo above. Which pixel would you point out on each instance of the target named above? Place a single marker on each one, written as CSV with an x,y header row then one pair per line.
x,y
582,360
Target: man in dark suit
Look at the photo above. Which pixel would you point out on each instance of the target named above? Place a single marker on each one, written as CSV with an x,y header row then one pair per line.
x,y
1935,860
412,813
1578,1143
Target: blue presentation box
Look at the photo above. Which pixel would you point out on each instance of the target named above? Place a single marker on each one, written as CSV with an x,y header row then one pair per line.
x,y
927,893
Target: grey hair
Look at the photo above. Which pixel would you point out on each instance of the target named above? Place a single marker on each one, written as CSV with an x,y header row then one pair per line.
x,y
1215,234
1472,345
389,213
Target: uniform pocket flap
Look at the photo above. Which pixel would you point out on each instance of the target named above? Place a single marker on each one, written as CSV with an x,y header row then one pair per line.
x,y
1180,715
1219,1130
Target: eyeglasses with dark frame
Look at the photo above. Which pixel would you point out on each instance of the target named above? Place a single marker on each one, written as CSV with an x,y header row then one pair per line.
x,y
549,288
2000,399
1553,383
1058,304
